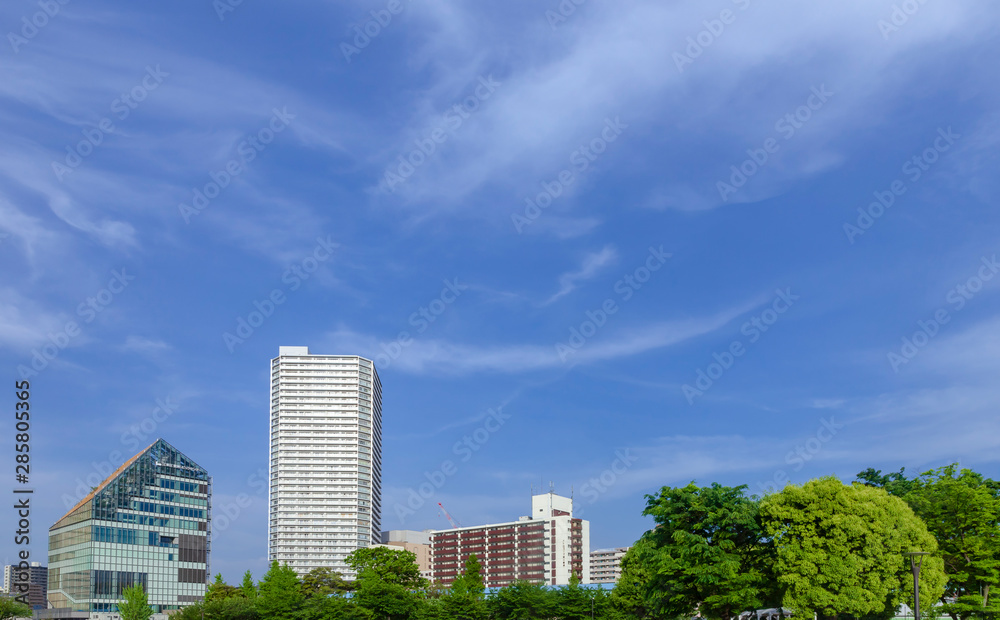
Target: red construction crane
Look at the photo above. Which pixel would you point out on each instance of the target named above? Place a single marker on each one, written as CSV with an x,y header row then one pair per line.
x,y
453,522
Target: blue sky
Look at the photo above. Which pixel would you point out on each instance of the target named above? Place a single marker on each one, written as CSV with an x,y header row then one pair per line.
x,y
625,195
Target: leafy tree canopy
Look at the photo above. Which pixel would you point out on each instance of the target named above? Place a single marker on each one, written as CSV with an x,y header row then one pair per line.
x,y
334,607
465,599
135,605
219,590
387,582
233,608
387,600
962,511
708,554
895,483
391,566
10,608
577,603
633,595
522,601
471,579
324,582
280,596
248,589
840,549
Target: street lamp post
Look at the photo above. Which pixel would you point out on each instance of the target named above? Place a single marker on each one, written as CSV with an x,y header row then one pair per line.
x,y
916,560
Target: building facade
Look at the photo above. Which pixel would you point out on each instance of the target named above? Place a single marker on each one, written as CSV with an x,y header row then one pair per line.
x,y
148,523
35,577
546,547
418,543
325,470
606,564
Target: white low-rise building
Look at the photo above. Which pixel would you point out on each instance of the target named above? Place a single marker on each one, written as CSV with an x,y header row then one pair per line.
x,y
606,564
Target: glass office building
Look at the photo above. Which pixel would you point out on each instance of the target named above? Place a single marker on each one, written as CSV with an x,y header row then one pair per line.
x,y
147,524
325,459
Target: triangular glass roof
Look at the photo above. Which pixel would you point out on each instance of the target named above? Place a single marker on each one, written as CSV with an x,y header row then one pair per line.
x,y
129,480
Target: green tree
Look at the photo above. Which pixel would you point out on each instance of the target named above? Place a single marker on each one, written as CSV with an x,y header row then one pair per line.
x,y
383,599
708,554
333,607
432,607
135,605
633,595
11,608
523,601
464,601
435,590
387,582
840,549
393,566
575,602
219,590
189,612
895,483
248,589
233,608
323,582
471,579
962,511
280,596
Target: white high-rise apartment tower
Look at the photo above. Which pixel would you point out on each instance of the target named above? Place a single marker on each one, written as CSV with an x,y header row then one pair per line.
x,y
326,459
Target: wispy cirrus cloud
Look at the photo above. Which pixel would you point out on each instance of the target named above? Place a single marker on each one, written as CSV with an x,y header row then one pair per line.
x,y
438,356
145,346
593,263
24,323
620,54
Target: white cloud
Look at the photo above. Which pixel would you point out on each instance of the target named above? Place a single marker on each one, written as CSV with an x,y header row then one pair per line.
x,y
967,357
592,265
186,128
427,356
562,227
30,230
146,346
24,324
620,55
